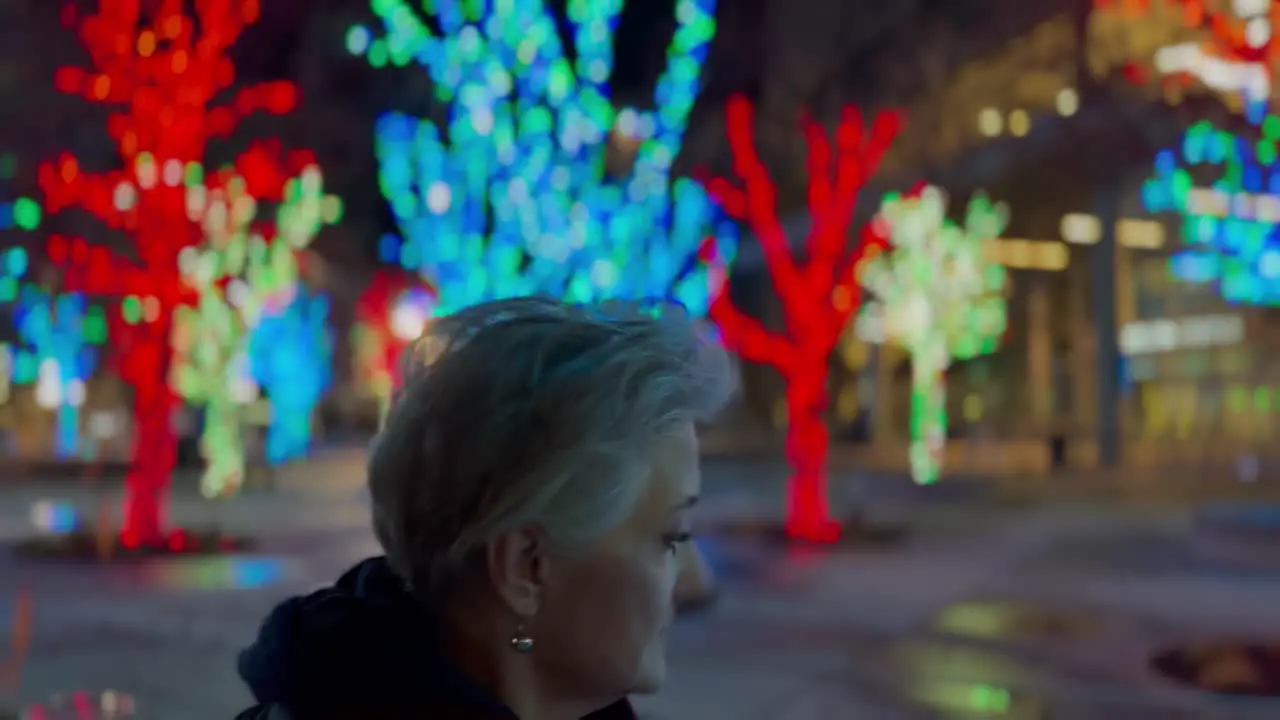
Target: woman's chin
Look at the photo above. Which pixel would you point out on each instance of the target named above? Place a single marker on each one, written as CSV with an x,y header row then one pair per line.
x,y
653,672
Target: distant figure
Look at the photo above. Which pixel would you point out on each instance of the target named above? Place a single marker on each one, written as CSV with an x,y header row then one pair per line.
x,y
531,488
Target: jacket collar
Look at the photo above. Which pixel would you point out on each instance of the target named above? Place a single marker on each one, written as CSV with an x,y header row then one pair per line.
x,y
364,643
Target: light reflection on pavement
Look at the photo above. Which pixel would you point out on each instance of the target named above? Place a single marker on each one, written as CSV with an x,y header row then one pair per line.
x,y
929,630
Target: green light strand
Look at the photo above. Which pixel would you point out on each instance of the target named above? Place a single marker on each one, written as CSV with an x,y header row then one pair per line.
x,y
934,293
240,276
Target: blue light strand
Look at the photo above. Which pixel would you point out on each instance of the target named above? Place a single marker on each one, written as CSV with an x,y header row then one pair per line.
x,y
53,329
291,358
513,197
1229,225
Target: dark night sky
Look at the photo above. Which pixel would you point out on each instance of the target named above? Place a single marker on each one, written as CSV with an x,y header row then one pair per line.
x,y
817,54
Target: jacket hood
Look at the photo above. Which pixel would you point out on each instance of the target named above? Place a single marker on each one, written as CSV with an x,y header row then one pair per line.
x,y
363,642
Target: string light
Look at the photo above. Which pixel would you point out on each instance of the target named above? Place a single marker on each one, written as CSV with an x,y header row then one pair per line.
x,y
19,213
13,266
936,296
1228,225
41,334
1239,57
291,355
22,214
59,336
817,288
208,334
165,68
242,272
520,199
291,351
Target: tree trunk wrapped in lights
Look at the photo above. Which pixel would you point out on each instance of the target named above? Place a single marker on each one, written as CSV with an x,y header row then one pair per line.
x,y
935,295
165,68
817,287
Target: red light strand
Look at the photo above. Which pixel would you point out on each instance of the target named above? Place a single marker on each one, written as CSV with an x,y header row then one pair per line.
x,y
165,68
818,290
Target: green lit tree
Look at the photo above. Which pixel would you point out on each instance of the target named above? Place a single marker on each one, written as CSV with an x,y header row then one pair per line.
x,y
241,272
934,294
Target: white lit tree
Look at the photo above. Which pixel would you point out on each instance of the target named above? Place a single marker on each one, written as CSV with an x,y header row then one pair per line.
x,y
934,293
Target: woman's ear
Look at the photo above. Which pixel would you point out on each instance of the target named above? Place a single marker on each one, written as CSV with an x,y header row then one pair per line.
x,y
519,565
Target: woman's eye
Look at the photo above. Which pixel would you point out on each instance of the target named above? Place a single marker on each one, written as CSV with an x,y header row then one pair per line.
x,y
675,540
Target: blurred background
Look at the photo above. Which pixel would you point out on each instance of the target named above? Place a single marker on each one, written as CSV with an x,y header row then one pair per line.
x,y
1000,279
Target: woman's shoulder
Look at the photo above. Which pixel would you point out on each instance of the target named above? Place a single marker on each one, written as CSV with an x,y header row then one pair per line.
x,y
618,711
281,712
621,710
266,712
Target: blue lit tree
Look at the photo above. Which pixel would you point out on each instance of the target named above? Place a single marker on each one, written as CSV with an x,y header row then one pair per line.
x,y
58,335
15,214
512,196
57,351
13,266
16,363
291,355
1230,219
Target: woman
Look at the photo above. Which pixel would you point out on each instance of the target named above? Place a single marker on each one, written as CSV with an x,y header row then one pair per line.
x,y
531,490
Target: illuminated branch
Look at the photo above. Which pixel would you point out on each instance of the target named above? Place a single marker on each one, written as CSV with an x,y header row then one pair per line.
x,y
756,202
815,288
540,184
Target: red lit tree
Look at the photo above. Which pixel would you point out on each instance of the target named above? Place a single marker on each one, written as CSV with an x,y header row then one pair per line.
x,y
816,286
165,69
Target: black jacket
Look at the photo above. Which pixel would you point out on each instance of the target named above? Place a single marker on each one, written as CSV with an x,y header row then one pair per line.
x,y
362,650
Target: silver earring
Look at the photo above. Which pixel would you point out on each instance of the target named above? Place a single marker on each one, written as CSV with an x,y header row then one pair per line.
x,y
520,642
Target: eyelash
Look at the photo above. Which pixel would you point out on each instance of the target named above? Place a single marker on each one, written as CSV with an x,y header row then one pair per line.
x,y
674,540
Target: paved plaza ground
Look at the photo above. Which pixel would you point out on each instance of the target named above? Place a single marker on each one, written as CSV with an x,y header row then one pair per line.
x,y
989,610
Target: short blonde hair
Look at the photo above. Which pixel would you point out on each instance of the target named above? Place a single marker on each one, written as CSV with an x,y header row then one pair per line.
x,y
532,411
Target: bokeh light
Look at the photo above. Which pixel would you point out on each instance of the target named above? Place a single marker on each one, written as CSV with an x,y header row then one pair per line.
x,y
519,199
935,294
59,341
816,284
291,356
1228,222
164,71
